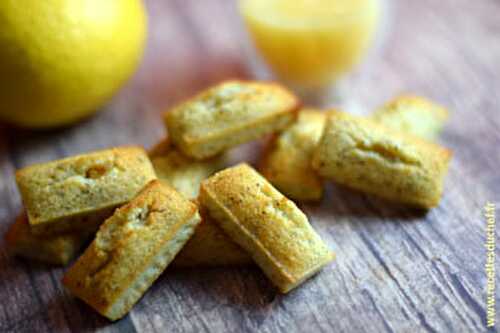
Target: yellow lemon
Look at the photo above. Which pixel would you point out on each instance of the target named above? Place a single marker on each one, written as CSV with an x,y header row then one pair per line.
x,y
60,60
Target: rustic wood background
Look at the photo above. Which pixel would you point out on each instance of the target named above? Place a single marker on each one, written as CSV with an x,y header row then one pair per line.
x,y
397,271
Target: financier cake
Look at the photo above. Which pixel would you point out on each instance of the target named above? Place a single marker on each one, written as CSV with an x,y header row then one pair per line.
x,y
367,156
56,249
80,192
210,247
286,162
132,248
413,115
229,114
270,227
181,172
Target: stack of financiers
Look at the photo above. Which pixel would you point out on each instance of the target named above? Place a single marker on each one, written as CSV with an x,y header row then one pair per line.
x,y
178,205
143,222
389,153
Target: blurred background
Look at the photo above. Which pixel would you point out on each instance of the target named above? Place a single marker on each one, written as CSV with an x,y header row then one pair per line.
x,y
447,51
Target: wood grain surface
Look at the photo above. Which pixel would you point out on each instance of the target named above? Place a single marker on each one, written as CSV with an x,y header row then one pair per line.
x,y
396,269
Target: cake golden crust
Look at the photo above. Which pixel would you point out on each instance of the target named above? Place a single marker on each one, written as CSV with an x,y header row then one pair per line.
x,y
364,155
229,114
132,248
183,173
286,162
266,224
286,159
412,115
78,193
57,250
161,148
210,246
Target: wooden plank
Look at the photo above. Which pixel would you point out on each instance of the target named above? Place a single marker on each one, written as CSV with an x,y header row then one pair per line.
x,y
397,271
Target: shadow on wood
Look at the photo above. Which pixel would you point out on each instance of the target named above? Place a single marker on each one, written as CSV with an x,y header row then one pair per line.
x,y
341,201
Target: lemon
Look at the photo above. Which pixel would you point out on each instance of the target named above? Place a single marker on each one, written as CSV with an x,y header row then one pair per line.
x,y
60,60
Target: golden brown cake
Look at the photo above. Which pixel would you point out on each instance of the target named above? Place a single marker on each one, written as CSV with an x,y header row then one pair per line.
x,y
229,114
58,249
210,246
162,147
80,192
131,249
183,173
270,227
364,155
286,162
412,115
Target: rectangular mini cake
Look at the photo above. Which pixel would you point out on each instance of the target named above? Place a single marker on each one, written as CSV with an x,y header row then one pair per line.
x,y
132,248
412,115
229,114
57,249
286,162
270,227
210,246
181,172
364,155
160,148
80,192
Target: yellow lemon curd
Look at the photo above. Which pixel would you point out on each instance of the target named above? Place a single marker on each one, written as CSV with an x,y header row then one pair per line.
x,y
310,43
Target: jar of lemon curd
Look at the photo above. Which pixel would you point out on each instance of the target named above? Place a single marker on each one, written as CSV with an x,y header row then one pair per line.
x,y
310,44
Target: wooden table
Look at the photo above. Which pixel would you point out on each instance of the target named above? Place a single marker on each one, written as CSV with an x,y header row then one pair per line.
x,y
396,271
